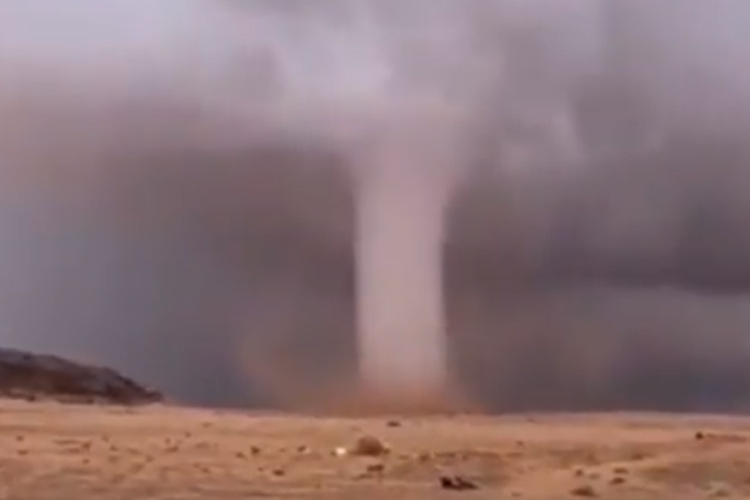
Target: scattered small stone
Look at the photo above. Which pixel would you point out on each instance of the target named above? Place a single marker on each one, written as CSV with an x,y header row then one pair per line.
x,y
583,491
369,446
254,450
719,490
579,473
393,423
340,452
699,436
240,455
303,449
617,480
457,483
375,468
278,472
620,470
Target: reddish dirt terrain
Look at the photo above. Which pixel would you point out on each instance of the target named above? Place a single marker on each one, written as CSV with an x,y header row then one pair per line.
x,y
124,443
52,450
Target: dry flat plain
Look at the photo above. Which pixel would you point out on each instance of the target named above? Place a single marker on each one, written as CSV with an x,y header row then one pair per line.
x,y
58,452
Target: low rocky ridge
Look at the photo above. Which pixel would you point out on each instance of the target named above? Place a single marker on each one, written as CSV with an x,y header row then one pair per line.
x,y
31,377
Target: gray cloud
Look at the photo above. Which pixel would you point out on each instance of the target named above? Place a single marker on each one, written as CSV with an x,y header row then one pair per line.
x,y
175,193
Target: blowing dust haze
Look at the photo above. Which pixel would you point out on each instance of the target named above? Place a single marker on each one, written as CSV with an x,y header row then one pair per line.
x,y
521,204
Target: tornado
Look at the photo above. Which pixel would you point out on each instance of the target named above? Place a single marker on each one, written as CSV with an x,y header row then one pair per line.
x,y
402,195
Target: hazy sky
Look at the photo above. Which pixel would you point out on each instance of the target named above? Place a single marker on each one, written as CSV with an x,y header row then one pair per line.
x,y
145,264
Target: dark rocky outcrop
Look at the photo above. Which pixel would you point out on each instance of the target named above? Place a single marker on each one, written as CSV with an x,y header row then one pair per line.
x,y
43,377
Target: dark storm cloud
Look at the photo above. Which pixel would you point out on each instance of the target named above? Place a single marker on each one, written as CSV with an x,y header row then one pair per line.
x,y
174,186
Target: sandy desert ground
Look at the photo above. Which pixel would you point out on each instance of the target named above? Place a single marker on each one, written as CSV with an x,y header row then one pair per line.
x,y
53,451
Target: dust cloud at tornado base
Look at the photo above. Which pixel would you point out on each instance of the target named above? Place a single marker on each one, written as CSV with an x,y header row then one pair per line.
x,y
226,275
